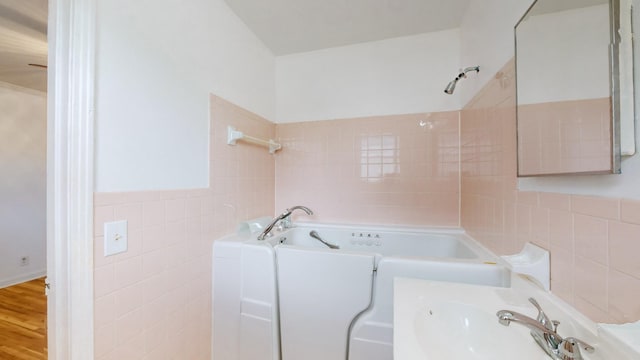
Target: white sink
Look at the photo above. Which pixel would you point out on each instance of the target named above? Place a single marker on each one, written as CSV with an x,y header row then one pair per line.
x,y
460,331
440,320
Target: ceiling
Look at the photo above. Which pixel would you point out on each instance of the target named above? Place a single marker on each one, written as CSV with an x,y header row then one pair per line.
x,y
292,26
23,41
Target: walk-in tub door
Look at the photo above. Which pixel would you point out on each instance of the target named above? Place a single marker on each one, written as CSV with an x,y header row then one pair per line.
x,y
320,293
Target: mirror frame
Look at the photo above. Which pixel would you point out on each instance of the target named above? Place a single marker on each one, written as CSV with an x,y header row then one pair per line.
x,y
614,93
614,81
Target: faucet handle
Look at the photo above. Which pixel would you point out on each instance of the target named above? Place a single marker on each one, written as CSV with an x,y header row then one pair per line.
x,y
285,223
570,348
542,317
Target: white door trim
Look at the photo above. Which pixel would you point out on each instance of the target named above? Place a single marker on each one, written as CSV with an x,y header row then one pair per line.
x,y
70,149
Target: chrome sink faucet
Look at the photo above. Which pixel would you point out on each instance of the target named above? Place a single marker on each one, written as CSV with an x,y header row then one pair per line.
x,y
284,218
544,331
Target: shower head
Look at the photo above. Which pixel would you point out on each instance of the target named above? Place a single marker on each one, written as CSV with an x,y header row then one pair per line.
x,y
463,74
452,86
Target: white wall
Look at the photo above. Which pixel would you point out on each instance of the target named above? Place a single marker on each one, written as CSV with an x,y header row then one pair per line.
x,y
487,39
157,62
395,76
23,128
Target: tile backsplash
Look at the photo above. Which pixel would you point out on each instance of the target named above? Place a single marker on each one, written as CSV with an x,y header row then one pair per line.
x,y
401,169
592,240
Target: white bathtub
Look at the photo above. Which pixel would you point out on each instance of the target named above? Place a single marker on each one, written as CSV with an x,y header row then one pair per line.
x,y
383,241
292,298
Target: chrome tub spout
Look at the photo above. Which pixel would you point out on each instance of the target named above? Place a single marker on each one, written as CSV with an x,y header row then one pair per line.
x,y
284,217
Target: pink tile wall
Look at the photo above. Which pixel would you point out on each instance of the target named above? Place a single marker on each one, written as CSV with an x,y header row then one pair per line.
x,y
593,240
401,169
565,137
151,301
242,176
154,301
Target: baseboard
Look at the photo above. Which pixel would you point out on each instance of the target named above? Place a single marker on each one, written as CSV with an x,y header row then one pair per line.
x,y
22,278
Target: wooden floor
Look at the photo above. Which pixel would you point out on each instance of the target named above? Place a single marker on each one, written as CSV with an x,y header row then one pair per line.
x,y
23,319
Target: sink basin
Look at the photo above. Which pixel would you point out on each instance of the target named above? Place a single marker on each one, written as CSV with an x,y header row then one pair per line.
x,y
441,320
464,331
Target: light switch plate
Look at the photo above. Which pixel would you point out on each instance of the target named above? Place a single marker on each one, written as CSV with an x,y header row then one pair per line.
x,y
115,237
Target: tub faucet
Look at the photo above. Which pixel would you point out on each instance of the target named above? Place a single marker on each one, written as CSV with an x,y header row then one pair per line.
x,y
284,217
544,332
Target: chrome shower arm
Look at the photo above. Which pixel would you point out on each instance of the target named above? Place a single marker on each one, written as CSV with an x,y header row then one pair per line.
x,y
463,74
470,68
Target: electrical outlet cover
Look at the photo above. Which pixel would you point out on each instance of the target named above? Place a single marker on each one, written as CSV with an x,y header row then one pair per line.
x,y
115,237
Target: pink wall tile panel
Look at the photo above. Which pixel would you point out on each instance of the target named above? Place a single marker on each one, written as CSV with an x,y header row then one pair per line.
x,y
154,301
242,175
565,137
592,240
165,274
401,169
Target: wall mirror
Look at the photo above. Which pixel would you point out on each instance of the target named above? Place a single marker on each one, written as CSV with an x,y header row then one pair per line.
x,y
574,76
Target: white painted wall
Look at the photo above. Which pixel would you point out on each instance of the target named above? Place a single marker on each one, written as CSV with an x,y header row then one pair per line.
x,y
564,56
395,76
487,39
156,63
23,143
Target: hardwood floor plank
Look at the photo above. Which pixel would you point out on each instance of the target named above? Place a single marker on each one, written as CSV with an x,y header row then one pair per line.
x,y
23,321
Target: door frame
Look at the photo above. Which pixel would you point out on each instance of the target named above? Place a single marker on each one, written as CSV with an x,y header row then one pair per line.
x,y
70,171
